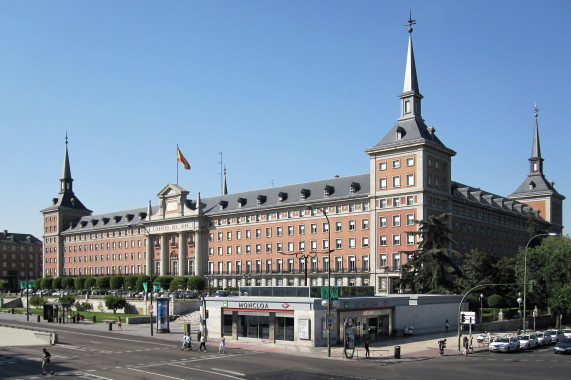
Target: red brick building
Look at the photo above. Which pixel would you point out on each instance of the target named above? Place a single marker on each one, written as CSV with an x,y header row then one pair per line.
x,y
269,236
20,258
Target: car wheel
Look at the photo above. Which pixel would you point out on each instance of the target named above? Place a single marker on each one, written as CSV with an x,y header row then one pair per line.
x,y
508,350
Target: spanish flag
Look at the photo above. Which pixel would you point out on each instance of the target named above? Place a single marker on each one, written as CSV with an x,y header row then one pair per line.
x,y
180,158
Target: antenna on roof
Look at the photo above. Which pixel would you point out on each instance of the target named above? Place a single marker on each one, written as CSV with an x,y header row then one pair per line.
x,y
221,174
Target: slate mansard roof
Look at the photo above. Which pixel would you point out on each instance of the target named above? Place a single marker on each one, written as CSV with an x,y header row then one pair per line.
x,y
10,237
303,194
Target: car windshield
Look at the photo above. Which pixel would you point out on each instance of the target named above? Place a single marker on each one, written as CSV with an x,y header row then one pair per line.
x,y
540,335
566,340
551,332
567,331
502,340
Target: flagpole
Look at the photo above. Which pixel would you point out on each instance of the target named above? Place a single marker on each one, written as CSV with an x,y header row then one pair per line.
x,y
177,164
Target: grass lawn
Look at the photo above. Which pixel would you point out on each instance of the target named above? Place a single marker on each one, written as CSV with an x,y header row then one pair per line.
x,y
87,314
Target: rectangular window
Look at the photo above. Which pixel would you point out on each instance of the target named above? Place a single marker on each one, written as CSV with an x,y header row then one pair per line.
x,y
396,261
290,230
313,245
338,243
396,202
382,260
409,238
351,242
338,226
238,235
219,236
301,245
410,161
279,247
365,224
301,229
383,165
325,227
313,228
351,264
351,225
290,246
219,251
248,234
396,220
396,239
409,219
238,249
396,181
229,250
410,200
382,203
396,164
410,179
268,232
258,233
365,242
279,231
382,183
258,248
248,249
382,221
268,247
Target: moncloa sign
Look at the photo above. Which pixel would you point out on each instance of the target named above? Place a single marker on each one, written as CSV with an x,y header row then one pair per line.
x,y
253,305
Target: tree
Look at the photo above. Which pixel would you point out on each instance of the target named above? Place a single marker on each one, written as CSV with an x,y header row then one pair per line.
x,y
67,301
196,283
68,282
478,268
430,268
116,282
38,301
90,282
57,283
179,283
47,283
130,282
115,302
140,280
549,272
3,285
165,281
79,283
103,282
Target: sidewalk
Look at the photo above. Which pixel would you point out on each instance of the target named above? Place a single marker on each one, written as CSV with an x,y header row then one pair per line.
x,y
419,347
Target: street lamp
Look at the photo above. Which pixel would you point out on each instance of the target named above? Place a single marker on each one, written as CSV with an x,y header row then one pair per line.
x,y
525,271
328,272
481,307
519,304
304,256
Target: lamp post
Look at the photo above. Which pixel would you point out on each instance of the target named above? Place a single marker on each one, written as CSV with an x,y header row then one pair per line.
x,y
481,307
27,289
328,272
525,271
304,256
519,304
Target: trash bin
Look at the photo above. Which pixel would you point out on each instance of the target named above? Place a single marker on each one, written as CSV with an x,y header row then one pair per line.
x,y
94,319
38,319
187,328
110,324
397,352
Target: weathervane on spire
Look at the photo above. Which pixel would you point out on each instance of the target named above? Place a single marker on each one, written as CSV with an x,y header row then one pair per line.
x,y
536,110
65,137
411,22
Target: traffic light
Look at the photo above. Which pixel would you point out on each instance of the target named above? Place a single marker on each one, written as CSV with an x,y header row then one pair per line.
x,y
149,286
206,314
463,318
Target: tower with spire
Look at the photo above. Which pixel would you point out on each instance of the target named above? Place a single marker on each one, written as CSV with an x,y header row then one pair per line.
x,y
536,191
63,210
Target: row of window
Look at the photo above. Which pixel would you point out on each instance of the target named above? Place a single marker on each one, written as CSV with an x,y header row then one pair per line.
x,y
396,219
279,231
396,181
289,265
101,246
396,239
396,163
396,201
104,270
13,255
8,247
102,258
290,214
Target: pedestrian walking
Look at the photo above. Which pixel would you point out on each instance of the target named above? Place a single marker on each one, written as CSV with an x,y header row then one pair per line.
x,y
119,324
366,345
441,346
446,325
471,344
202,342
222,346
466,345
186,342
46,365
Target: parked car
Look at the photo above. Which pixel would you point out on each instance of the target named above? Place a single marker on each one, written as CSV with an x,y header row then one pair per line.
x,y
219,293
563,347
527,341
556,335
504,344
543,338
566,333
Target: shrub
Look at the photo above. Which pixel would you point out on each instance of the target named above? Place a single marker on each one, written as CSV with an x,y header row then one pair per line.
x,y
56,284
103,282
196,283
496,301
38,301
90,282
116,282
47,283
165,281
115,302
179,283
68,283
67,300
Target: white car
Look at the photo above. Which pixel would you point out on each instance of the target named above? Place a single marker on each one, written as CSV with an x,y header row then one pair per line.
x,y
567,333
504,344
543,338
527,341
556,335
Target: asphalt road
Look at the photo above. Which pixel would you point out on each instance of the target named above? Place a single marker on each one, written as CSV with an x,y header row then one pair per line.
x,y
98,355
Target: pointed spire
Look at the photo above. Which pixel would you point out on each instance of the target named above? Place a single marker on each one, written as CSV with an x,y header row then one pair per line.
x,y
410,96
536,162
198,206
225,187
66,180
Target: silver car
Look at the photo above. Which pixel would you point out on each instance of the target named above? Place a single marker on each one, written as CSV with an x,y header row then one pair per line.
x,y
543,338
504,344
527,341
556,335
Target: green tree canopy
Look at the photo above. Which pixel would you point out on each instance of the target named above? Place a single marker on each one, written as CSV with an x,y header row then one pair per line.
x,y
196,283
430,269
179,283
68,282
47,283
115,302
103,282
130,282
79,283
56,284
38,301
90,282
165,281
140,280
116,282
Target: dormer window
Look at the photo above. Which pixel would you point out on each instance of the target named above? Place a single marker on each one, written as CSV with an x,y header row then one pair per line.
x,y
532,185
305,193
282,196
261,199
400,133
94,222
129,217
105,220
223,204
116,218
354,187
241,202
328,190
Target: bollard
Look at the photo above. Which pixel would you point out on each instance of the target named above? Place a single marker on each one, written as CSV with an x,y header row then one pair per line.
x,y
12,310
110,326
397,352
94,319
38,319
187,328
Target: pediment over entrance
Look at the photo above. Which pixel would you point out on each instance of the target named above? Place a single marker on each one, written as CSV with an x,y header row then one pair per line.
x,y
172,202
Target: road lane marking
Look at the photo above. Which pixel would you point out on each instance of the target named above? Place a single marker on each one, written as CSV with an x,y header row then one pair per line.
x,y
207,371
153,373
232,372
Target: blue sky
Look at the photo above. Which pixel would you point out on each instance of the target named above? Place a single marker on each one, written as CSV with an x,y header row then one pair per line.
x,y
289,91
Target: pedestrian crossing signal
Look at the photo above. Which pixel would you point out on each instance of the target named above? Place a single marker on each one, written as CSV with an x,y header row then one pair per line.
x,y
206,314
463,318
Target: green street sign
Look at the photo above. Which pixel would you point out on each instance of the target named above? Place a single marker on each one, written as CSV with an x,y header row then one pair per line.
x,y
325,292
